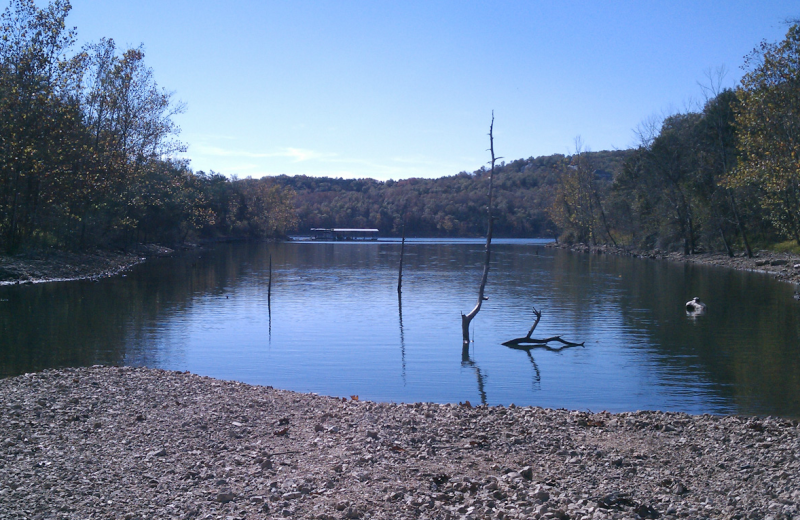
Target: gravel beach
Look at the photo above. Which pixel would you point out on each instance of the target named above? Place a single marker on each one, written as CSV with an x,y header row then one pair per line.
x,y
137,443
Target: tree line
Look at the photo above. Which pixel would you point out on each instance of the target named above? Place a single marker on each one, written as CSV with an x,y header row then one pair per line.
x,y
724,177
452,206
88,146
87,141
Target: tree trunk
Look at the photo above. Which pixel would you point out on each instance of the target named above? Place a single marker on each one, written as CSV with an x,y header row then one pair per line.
x,y
402,253
13,229
269,283
466,319
739,225
605,221
725,241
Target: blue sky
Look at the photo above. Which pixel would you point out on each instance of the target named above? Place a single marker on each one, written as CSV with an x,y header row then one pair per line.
x,y
387,89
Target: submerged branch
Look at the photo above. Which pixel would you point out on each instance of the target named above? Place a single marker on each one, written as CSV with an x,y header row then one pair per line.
x,y
528,342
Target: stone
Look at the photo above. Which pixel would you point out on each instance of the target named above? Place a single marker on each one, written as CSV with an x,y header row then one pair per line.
x,y
679,489
736,467
542,495
645,511
352,513
225,496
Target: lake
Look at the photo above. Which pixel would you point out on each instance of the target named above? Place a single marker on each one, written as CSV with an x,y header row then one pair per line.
x,y
332,323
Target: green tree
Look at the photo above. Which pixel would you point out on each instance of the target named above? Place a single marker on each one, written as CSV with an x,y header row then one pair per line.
x,y
130,120
768,129
38,114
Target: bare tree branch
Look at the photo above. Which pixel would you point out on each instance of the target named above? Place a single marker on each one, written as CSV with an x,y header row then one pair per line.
x,y
528,342
466,319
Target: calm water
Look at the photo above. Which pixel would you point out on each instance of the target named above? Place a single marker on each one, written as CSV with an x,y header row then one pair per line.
x,y
334,325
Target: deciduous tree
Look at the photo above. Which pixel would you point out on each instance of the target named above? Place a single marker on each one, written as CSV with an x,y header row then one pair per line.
x,y
768,129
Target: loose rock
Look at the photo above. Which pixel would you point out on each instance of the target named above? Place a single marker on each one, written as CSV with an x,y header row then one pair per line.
x,y
218,456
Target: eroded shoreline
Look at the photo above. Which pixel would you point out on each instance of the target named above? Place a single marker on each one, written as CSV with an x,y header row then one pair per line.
x,y
134,443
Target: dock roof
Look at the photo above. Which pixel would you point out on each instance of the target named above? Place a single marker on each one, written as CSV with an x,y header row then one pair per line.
x,y
346,230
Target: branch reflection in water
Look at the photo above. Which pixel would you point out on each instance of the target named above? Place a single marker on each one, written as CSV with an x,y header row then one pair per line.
x,y
402,336
536,384
269,301
466,361
537,376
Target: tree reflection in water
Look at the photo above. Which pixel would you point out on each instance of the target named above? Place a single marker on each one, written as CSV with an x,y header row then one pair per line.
x,y
537,375
466,361
402,336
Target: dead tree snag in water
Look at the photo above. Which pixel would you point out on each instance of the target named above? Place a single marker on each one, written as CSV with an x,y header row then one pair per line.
x,y
528,342
402,252
269,283
466,319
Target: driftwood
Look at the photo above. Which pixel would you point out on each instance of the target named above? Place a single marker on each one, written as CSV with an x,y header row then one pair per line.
x,y
528,342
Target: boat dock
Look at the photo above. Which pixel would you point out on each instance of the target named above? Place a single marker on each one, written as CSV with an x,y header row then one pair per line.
x,y
343,234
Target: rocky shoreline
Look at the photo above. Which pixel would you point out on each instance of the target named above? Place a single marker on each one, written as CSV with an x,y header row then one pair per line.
x,y
61,266
136,443
782,266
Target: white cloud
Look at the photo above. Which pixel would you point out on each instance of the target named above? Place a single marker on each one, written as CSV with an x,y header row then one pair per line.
x,y
298,154
303,161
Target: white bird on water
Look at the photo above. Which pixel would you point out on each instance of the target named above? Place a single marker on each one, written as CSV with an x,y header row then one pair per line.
x,y
695,307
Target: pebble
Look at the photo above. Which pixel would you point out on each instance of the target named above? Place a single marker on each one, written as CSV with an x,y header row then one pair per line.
x,y
216,456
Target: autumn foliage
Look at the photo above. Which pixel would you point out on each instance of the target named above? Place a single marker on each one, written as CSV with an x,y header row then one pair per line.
x,y
87,147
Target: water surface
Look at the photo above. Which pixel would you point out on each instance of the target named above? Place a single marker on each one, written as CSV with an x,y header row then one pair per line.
x,y
333,324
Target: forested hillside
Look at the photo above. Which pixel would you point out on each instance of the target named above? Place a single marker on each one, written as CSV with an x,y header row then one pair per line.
x,y
88,147
448,206
724,177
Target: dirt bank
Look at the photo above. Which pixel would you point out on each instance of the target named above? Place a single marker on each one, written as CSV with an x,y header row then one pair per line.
x,y
131,443
782,266
50,266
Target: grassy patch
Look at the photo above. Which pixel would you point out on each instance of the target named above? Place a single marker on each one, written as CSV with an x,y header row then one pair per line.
x,y
790,246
